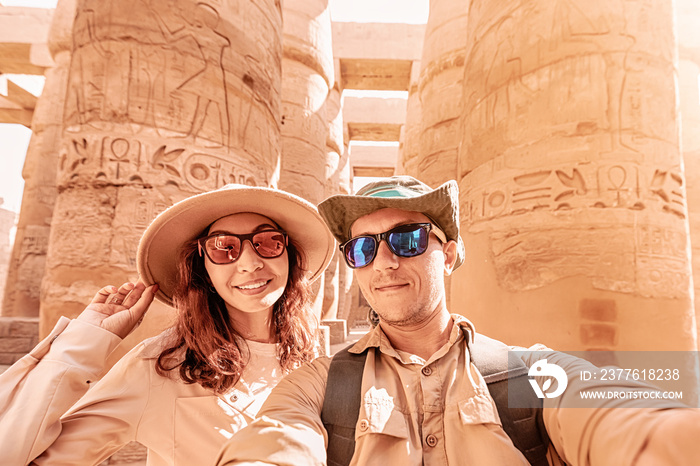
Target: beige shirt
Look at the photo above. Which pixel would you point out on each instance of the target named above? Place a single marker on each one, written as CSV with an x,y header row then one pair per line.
x,y
433,412
180,424
413,412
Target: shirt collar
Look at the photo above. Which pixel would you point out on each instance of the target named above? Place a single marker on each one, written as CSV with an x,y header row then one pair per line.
x,y
376,338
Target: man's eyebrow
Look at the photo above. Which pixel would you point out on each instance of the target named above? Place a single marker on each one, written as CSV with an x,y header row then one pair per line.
x,y
261,227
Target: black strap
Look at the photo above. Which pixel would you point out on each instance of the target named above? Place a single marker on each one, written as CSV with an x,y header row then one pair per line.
x,y
503,375
524,426
341,405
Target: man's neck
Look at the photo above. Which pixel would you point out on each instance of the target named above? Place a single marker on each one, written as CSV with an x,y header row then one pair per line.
x,y
422,338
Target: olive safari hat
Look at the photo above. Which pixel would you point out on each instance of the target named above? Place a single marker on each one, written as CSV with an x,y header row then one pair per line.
x,y
440,205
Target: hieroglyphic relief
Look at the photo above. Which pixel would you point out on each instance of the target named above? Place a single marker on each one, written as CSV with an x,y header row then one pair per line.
x,y
206,173
81,229
134,212
177,81
35,241
529,257
124,161
148,89
648,261
206,83
548,223
662,267
117,155
166,98
166,69
496,193
608,76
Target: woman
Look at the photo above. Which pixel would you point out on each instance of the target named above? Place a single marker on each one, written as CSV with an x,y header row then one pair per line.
x,y
236,263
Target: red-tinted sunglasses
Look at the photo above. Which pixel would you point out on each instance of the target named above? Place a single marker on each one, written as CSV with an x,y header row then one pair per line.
x,y
225,248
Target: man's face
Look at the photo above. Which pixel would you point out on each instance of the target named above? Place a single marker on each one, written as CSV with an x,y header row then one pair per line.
x,y
403,290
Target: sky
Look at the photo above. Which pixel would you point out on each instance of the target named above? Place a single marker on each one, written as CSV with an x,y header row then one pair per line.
x,y
14,139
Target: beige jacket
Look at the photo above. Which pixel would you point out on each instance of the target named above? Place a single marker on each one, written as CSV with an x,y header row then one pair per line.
x,y
180,424
412,416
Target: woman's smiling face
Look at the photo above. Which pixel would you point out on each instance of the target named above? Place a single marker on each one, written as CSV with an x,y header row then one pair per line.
x,y
251,283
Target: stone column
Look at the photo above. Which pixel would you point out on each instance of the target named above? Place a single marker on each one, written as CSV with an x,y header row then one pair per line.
x,y
7,223
32,238
440,90
334,147
165,99
440,93
688,18
572,186
358,307
307,76
409,144
345,276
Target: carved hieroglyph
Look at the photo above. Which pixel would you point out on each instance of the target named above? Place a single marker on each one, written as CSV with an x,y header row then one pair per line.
x,y
182,93
571,177
165,99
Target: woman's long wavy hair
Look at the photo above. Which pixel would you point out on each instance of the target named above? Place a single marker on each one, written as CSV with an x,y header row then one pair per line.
x,y
207,348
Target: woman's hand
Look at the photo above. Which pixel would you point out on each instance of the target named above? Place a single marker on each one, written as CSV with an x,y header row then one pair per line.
x,y
119,310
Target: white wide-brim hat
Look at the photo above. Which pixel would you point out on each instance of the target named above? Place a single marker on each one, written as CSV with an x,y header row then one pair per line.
x,y
159,248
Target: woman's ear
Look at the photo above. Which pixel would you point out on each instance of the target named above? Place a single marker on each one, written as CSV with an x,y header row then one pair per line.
x,y
450,250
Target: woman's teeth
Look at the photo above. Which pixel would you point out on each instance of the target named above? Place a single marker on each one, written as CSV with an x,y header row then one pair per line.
x,y
252,286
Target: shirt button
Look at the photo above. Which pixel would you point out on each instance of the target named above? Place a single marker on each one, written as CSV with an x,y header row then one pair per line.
x,y
427,371
234,397
431,440
364,424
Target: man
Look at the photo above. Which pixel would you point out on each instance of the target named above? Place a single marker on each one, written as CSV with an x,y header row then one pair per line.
x,y
422,398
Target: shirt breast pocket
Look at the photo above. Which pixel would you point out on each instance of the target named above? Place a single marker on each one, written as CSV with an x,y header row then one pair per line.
x,y
479,409
380,416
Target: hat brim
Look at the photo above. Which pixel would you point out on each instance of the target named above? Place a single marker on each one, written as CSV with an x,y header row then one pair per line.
x,y
342,210
160,244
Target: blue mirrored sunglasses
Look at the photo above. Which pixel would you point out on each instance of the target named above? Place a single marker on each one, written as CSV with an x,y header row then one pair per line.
x,y
404,241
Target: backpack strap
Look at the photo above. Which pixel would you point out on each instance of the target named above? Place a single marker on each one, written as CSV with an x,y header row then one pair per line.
x,y
341,405
503,374
524,426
